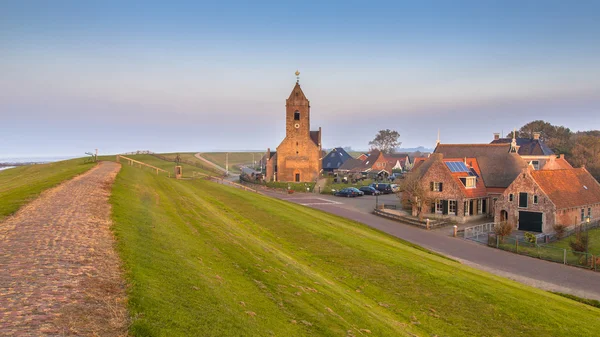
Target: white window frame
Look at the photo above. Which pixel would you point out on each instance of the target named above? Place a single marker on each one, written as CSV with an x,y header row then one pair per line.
x,y
535,164
450,204
472,179
436,186
479,206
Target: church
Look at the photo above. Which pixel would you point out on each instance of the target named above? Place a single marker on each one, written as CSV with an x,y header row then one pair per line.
x,y
298,157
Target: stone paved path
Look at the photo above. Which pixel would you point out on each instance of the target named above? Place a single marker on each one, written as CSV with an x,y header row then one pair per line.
x,y
59,272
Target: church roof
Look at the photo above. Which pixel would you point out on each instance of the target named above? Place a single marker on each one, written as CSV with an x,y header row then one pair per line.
x,y
297,95
314,135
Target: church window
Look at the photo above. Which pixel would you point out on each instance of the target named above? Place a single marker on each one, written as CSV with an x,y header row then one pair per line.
x,y
297,115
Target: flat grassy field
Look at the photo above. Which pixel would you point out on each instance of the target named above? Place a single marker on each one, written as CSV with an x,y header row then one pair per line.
x,y
203,259
188,156
594,243
235,159
167,165
22,184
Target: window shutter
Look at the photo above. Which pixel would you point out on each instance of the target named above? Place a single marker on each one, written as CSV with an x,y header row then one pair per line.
x,y
431,185
441,187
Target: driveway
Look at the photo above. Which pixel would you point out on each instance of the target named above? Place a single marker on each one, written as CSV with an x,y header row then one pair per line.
x,y
534,272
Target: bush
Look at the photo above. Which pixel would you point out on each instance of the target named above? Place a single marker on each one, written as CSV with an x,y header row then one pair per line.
x,y
580,243
560,230
530,237
503,229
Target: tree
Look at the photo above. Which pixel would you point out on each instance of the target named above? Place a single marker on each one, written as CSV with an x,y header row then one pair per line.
x,y
386,141
415,194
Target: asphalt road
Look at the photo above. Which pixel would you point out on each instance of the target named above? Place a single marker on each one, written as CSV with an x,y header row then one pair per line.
x,y
534,272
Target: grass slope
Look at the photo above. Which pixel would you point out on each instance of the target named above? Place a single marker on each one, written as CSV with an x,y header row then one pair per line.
x,y
235,159
22,184
205,259
167,165
191,157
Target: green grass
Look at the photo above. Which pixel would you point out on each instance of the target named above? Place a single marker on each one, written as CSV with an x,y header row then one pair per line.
x,y
235,159
594,243
20,185
203,259
166,165
593,303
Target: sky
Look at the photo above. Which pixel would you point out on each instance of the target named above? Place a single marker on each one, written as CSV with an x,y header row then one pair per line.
x,y
206,76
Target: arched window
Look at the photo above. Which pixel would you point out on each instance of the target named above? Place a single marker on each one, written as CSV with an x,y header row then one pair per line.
x,y
297,115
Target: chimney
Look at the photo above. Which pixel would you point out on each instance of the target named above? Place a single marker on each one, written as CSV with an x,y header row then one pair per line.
x,y
561,156
496,136
536,135
268,153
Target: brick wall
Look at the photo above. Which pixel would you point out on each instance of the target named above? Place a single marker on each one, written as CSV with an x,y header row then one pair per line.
x,y
525,183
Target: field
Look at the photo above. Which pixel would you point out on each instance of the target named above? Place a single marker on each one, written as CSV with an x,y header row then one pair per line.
x,y
235,159
203,259
22,184
594,243
187,170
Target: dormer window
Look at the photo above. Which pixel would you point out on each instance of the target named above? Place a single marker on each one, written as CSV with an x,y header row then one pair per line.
x,y
470,182
297,115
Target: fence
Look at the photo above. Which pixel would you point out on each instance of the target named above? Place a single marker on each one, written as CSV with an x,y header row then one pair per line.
x,y
479,233
133,162
520,245
188,162
547,238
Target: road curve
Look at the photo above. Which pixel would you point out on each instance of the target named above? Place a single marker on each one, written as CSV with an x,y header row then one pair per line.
x,y
531,271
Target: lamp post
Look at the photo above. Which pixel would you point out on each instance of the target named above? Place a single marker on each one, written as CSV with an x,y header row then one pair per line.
x,y
376,200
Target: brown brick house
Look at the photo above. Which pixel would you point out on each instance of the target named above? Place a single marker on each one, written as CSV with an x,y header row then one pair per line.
x,y
537,200
452,188
298,157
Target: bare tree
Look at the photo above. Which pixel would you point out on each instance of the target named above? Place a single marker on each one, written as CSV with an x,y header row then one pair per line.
x,y
386,141
414,194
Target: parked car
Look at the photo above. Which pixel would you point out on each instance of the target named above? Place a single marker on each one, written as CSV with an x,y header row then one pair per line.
x,y
395,188
349,192
360,193
369,190
383,188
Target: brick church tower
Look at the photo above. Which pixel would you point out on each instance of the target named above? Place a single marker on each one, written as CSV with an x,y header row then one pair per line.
x,y
298,157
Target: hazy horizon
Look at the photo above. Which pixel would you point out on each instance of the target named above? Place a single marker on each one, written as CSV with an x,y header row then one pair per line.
x,y
194,76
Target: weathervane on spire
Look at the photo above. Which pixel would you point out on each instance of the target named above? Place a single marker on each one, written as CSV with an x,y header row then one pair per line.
x,y
297,76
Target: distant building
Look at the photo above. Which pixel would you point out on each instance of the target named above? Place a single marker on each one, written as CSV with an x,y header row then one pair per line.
x,y
334,159
298,157
537,200
533,150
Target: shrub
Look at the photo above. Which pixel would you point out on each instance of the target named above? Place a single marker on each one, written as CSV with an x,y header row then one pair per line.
x,y
580,242
530,237
560,230
503,229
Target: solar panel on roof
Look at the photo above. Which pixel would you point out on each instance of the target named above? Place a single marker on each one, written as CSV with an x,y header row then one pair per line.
x,y
457,166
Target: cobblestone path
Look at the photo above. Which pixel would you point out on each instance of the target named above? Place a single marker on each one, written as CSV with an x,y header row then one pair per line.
x,y
59,271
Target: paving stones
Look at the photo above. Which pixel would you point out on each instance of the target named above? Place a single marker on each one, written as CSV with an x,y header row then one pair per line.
x,y
60,272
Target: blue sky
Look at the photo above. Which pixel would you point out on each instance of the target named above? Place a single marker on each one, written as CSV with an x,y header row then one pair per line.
x,y
194,76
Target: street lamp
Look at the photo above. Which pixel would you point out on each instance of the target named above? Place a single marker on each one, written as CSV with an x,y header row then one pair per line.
x,y
376,200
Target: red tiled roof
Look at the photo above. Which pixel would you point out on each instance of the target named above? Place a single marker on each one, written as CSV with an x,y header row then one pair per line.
x,y
568,188
557,164
479,191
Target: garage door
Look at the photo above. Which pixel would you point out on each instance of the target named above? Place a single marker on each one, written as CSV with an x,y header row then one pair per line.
x,y
530,221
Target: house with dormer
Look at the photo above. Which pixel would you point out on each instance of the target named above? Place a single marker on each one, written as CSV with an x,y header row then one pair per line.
x,y
452,188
